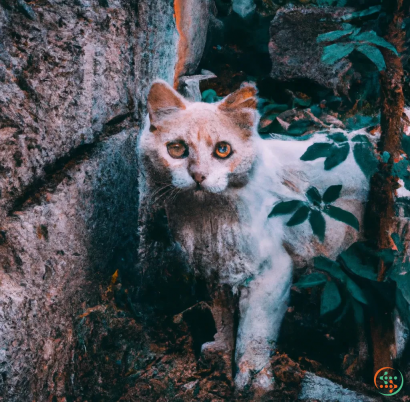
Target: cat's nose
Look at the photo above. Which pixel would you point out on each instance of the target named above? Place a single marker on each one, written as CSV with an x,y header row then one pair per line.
x,y
198,177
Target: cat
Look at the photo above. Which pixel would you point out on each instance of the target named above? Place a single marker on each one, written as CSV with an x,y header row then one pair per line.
x,y
220,180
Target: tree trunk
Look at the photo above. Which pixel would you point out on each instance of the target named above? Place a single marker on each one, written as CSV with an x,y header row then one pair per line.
x,y
381,219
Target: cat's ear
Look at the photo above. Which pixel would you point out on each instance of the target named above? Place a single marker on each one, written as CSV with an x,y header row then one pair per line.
x,y
243,98
241,107
163,100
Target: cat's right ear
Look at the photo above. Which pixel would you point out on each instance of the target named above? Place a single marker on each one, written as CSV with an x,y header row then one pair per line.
x,y
163,101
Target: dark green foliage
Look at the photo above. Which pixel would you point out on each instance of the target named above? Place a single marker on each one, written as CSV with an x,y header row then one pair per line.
x,y
284,207
299,216
362,13
329,266
364,156
334,35
300,127
361,259
356,291
405,143
335,153
309,281
342,216
337,156
313,196
318,150
337,137
401,170
374,55
332,194
209,96
361,138
316,219
337,51
366,43
330,298
318,224
373,38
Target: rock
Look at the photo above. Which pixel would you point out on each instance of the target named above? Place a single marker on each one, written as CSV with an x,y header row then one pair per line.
x,y
324,390
192,20
189,85
72,99
293,49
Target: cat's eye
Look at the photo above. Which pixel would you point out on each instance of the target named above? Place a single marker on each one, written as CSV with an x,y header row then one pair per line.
x,y
177,150
223,150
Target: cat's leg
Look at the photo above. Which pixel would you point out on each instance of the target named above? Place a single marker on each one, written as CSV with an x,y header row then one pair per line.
x,y
262,306
220,352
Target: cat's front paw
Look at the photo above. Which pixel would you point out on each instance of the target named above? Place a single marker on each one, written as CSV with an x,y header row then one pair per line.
x,y
260,382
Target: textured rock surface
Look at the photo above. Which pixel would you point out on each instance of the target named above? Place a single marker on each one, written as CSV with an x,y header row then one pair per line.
x,y
73,80
322,389
192,19
294,52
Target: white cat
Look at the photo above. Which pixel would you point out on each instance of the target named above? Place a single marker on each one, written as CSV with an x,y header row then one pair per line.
x,y
220,181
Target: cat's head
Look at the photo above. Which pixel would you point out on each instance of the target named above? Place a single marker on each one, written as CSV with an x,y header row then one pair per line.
x,y
201,146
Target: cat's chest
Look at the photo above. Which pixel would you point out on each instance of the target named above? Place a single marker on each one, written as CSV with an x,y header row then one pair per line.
x,y
215,241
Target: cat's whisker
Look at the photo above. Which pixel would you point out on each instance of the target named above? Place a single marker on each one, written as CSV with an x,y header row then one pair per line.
x,y
159,190
166,192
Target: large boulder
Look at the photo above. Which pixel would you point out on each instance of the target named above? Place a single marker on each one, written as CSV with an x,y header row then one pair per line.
x,y
294,51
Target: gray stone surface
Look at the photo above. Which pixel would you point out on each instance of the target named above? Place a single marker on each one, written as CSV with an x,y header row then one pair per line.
x,y
293,49
324,390
73,82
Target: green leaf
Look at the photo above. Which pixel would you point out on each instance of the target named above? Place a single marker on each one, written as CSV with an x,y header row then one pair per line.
x,y
363,13
366,159
302,102
209,96
338,155
272,108
299,216
374,55
345,310
342,216
405,143
309,281
330,298
300,126
331,267
332,193
318,150
313,196
361,138
355,291
318,224
284,207
358,312
385,157
372,37
332,36
333,53
362,260
338,137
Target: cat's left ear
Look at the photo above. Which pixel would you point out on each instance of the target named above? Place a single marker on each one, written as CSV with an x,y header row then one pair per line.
x,y
241,106
163,101
243,98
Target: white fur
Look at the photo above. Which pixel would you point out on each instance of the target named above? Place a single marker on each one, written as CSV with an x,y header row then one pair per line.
x,y
250,247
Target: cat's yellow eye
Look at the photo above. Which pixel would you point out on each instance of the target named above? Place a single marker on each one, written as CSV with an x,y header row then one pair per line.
x,y
223,150
177,150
